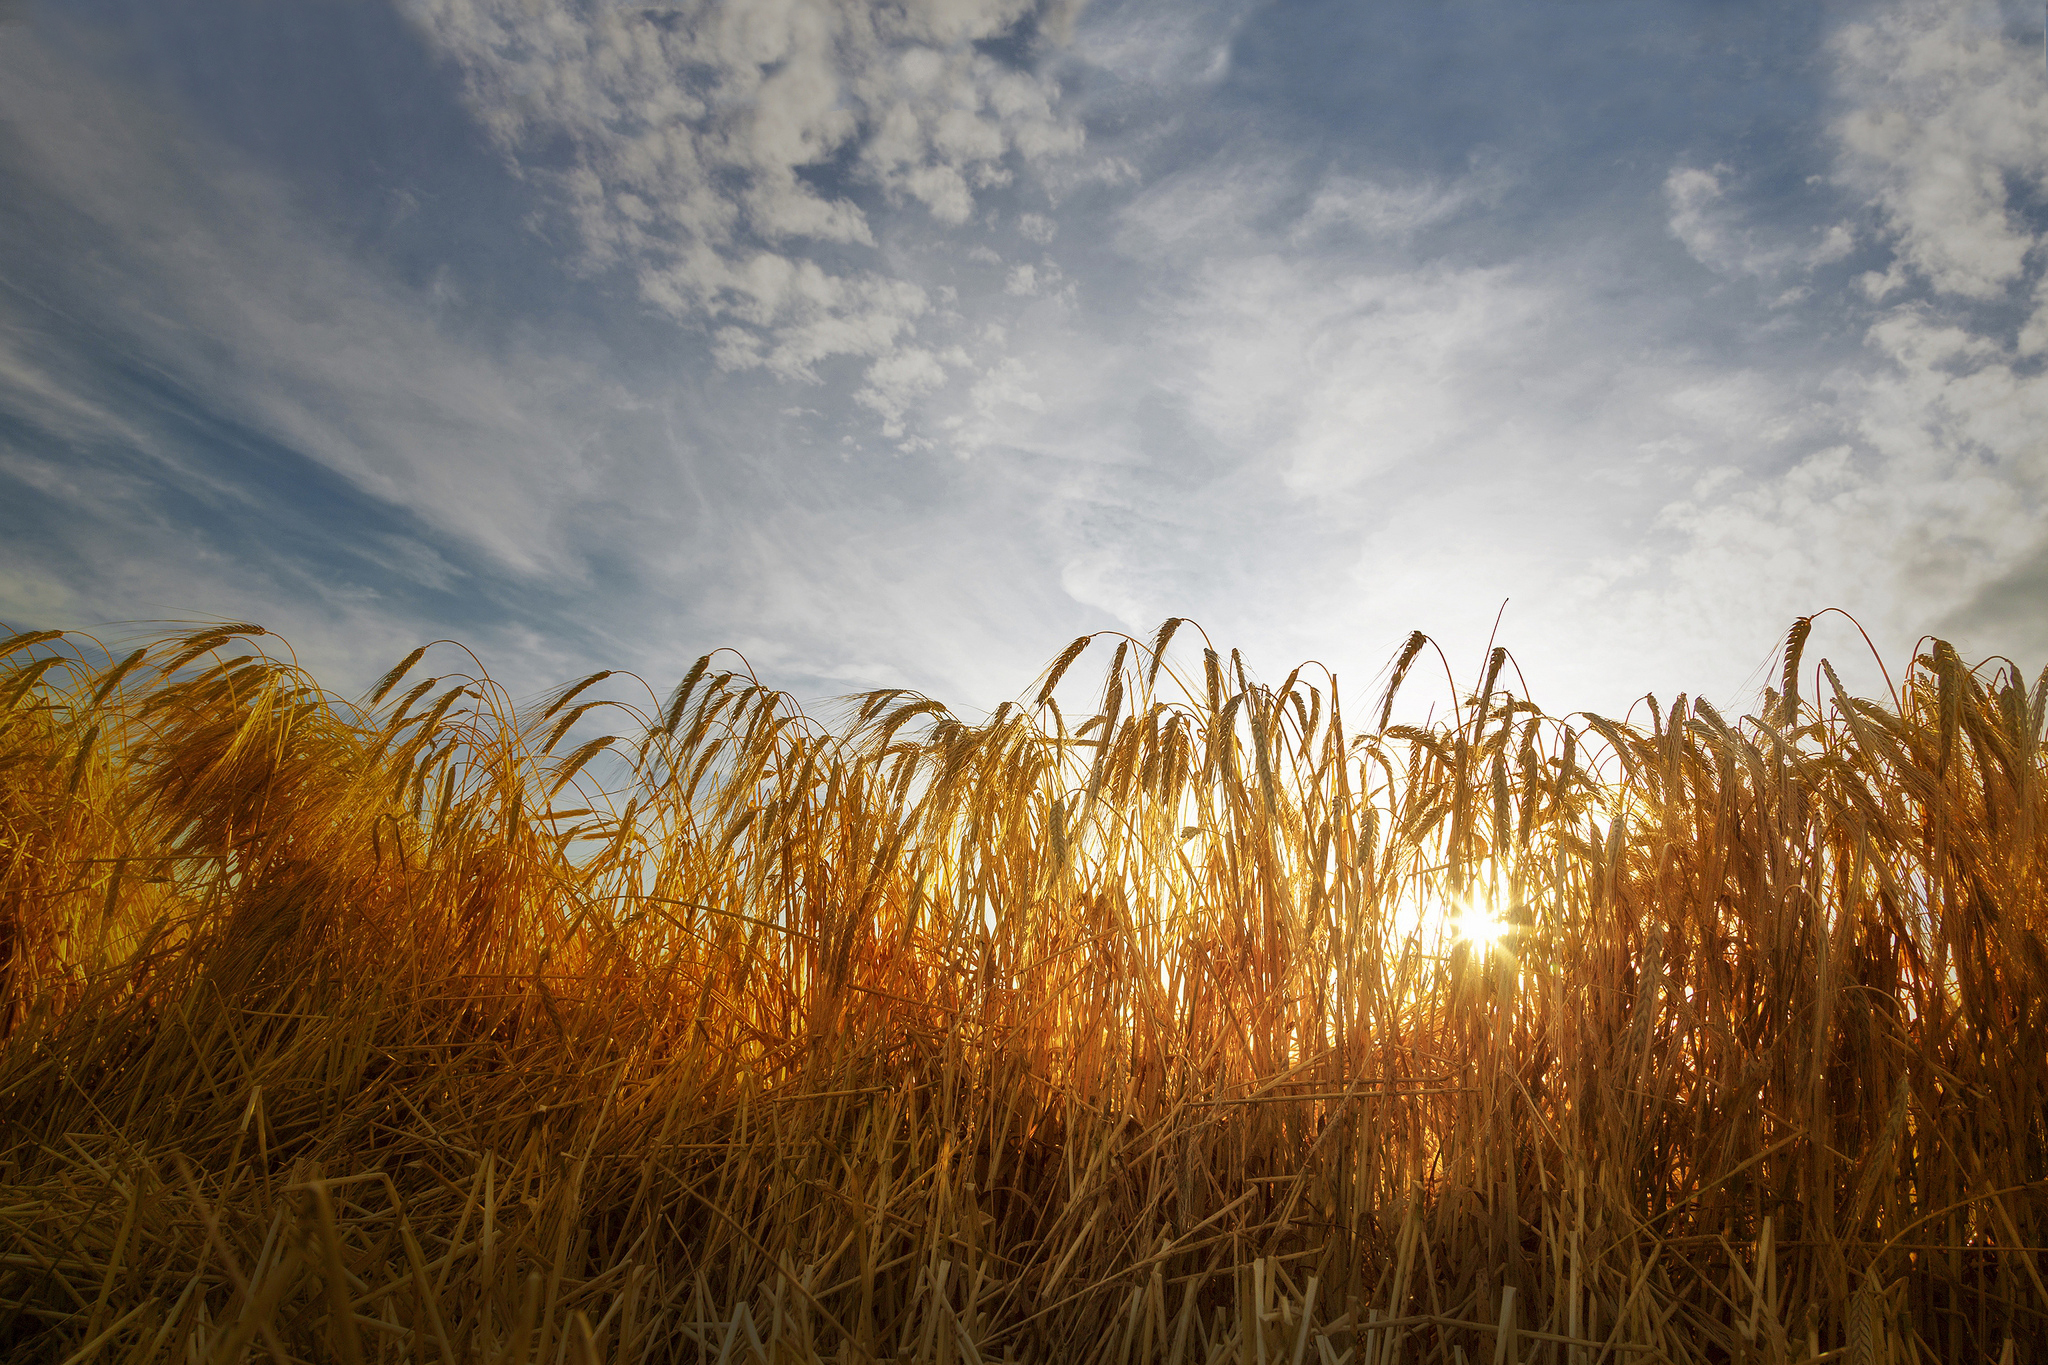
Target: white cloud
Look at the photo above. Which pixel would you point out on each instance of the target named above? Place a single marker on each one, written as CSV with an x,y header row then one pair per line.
x,y
61,408
1274,398
699,128
228,289
1387,210
1336,375
1212,208
1183,44
1038,227
1717,234
1104,577
1658,505
1939,488
1309,425
901,377
1944,110
1008,384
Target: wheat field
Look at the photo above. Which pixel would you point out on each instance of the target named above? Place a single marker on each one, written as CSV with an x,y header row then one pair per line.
x,y
1211,1025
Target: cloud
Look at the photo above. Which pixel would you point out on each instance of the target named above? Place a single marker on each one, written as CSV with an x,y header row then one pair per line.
x,y
1717,234
1037,227
1107,579
1185,44
1658,492
732,155
1924,512
1314,430
1338,375
1390,210
49,402
222,286
212,402
900,378
210,406
1221,207
1284,381
1944,113
1275,380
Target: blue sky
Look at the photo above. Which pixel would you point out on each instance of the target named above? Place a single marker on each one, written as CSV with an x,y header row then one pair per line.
x,y
897,345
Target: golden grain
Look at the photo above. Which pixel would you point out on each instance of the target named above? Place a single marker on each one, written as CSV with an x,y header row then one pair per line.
x,y
338,1031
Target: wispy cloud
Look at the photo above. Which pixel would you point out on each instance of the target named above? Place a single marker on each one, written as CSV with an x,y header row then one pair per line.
x,y
210,405
837,340
1717,234
185,356
226,288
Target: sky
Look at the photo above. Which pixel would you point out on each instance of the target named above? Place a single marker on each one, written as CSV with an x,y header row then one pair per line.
x,y
899,344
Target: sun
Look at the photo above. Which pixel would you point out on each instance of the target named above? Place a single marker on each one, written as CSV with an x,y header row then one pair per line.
x,y
1479,924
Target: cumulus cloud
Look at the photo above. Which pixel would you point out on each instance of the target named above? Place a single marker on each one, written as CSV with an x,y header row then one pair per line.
x,y
719,151
1925,512
1038,228
1946,114
900,378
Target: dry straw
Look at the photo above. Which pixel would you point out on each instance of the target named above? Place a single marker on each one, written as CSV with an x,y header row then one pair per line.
x,y
431,1028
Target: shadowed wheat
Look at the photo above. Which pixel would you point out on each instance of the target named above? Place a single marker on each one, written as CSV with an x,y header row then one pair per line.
x,y
425,1028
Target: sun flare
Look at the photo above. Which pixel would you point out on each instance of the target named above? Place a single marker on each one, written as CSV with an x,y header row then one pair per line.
x,y
808,963
1479,924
